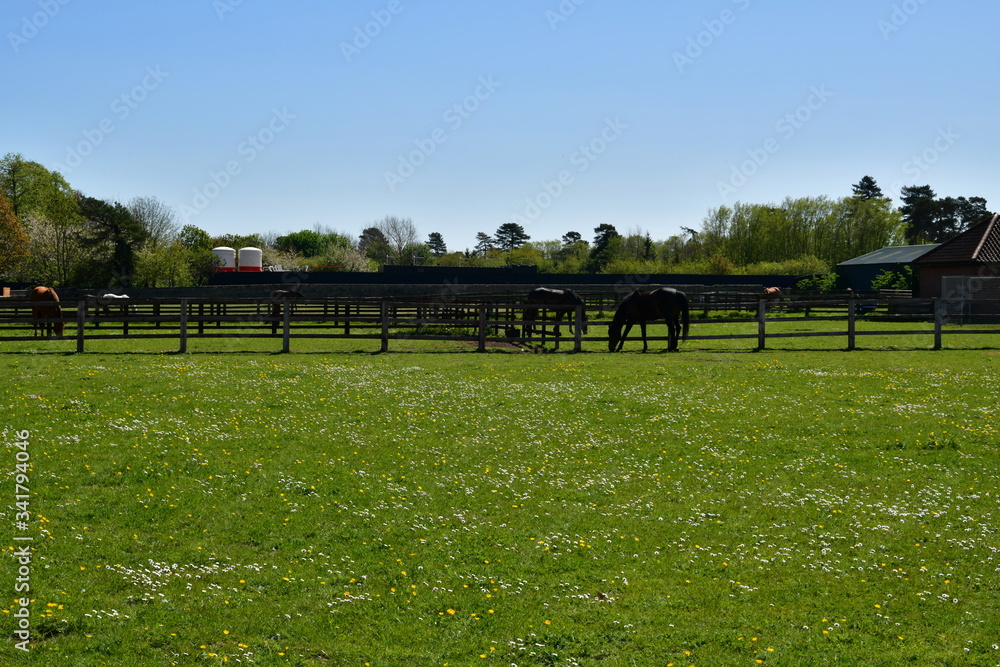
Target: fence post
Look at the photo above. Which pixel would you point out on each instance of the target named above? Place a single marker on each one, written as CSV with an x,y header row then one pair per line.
x,y
761,324
184,327
851,308
482,328
384,308
938,322
578,337
81,315
286,313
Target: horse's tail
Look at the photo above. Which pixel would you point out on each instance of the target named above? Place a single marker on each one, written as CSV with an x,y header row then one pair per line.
x,y
685,315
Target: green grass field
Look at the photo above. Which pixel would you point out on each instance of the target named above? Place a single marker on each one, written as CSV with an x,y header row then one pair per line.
x,y
435,506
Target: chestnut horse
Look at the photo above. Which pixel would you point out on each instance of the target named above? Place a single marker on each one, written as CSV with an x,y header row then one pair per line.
x,y
547,296
641,306
46,319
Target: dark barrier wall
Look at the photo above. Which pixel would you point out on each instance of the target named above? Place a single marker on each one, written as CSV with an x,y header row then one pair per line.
x,y
510,275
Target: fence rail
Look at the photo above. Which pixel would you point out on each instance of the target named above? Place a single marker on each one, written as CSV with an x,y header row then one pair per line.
x,y
478,321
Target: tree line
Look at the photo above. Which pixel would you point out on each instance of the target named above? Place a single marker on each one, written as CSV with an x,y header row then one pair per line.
x,y
55,235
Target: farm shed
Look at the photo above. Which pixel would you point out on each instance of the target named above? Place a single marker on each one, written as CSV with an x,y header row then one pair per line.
x,y
858,273
975,254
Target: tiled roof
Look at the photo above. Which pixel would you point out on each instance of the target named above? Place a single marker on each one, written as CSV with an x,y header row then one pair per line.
x,y
979,244
898,254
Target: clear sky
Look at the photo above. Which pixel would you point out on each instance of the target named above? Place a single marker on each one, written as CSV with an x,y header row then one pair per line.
x,y
253,116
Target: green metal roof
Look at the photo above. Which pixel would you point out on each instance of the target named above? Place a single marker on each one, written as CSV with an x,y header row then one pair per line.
x,y
900,254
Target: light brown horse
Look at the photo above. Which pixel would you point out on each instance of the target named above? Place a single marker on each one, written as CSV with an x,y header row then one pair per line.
x,y
772,294
46,319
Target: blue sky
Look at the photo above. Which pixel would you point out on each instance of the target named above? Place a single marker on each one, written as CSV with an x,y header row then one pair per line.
x,y
252,116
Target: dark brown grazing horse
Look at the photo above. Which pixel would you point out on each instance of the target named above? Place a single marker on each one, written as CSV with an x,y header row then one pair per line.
x,y
547,296
46,319
277,296
642,306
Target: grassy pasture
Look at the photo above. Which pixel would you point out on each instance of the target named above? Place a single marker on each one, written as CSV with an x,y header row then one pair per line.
x,y
714,507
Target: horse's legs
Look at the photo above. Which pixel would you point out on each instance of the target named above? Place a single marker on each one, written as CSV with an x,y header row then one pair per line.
x,y
645,345
621,342
673,334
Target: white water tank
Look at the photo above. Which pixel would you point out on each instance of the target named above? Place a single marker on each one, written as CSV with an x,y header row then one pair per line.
x,y
251,259
227,258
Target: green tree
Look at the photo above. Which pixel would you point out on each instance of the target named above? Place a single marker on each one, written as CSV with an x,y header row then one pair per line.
x,y
46,206
824,283
637,245
453,259
886,279
164,265
56,252
570,238
194,238
955,215
33,189
14,241
857,226
373,245
920,212
307,243
527,254
510,236
720,265
416,254
603,234
347,258
436,244
603,250
238,241
484,243
115,237
866,188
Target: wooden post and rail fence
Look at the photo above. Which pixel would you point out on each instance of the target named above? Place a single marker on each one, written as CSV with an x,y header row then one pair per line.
x,y
478,322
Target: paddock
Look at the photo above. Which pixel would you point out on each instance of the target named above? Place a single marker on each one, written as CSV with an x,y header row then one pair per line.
x,y
488,321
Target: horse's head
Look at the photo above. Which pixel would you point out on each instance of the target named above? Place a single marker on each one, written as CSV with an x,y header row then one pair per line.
x,y
583,326
614,335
